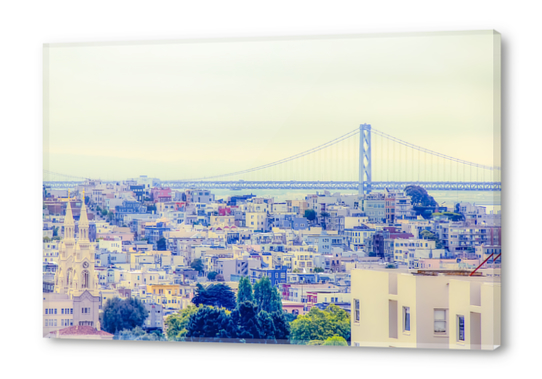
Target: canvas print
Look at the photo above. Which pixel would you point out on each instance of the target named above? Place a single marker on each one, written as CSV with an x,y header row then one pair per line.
x,y
326,191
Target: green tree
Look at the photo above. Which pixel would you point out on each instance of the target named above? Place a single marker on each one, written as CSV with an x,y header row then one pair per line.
x,y
248,324
427,235
217,295
282,327
210,324
320,325
212,275
244,293
197,265
104,212
310,214
335,341
161,244
318,269
266,297
46,239
120,314
177,323
138,334
419,196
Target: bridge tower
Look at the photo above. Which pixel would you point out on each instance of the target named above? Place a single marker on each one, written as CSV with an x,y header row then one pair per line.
x,y
365,164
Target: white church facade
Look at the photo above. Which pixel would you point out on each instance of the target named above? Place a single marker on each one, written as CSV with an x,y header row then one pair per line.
x,y
75,300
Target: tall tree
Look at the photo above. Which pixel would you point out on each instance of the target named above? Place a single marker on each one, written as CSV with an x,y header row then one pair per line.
x,y
247,322
266,297
244,293
121,314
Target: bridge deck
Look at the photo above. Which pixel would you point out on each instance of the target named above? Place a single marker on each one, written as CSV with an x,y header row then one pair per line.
x,y
308,185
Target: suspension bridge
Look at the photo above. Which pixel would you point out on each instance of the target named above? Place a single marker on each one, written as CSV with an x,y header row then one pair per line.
x,y
363,160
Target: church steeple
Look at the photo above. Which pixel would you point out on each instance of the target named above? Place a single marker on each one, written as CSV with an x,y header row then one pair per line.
x,y
83,222
69,223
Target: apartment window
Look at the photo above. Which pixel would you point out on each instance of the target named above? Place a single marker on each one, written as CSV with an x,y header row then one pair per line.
x,y
461,328
406,319
356,310
440,321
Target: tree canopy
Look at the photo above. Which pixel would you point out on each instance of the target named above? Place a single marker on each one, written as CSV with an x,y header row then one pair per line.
x,y
177,323
138,334
419,196
428,235
244,292
320,325
197,265
310,214
266,297
161,244
335,341
121,314
212,275
218,295
209,324
256,317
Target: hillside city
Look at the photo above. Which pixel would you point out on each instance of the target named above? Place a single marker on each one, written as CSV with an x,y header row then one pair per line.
x,y
132,260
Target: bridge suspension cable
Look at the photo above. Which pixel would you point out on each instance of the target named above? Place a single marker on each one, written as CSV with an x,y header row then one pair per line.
x,y
64,175
288,159
427,151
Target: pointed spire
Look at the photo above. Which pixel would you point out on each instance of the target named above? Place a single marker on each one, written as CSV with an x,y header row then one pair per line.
x,y
83,218
68,220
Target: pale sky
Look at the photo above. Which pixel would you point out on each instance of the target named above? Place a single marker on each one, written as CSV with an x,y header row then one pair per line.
x,y
177,110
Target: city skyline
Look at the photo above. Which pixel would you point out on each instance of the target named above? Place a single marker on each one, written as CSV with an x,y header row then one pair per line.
x,y
164,105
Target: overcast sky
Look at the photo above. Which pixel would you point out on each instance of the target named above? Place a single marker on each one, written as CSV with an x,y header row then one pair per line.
x,y
191,109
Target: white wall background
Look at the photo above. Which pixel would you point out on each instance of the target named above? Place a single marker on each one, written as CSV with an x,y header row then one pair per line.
x,y
25,26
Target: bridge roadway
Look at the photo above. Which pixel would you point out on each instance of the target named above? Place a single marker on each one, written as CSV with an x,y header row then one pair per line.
x,y
306,185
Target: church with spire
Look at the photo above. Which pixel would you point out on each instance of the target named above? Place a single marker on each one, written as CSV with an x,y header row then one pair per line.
x,y
76,298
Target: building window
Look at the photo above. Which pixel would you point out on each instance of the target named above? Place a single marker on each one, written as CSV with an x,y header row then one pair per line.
x,y
406,319
440,321
356,310
461,328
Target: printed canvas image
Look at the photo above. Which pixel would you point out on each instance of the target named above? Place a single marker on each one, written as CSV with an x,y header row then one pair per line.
x,y
325,191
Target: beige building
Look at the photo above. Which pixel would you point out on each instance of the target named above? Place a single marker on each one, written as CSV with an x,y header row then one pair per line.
x,y
76,298
256,220
425,309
